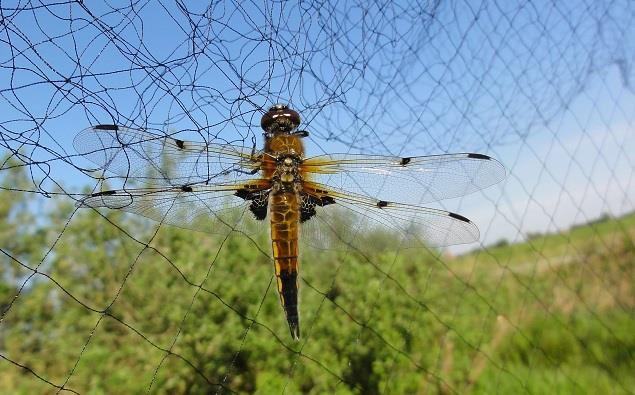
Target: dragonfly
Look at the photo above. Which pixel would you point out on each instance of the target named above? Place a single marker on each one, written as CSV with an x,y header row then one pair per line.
x,y
327,199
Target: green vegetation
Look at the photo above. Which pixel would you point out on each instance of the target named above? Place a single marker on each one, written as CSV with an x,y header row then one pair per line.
x,y
184,312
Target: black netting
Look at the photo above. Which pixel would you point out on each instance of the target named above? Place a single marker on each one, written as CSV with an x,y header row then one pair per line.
x,y
101,301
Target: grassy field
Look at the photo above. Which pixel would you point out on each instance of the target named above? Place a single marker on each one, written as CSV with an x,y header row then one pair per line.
x,y
560,308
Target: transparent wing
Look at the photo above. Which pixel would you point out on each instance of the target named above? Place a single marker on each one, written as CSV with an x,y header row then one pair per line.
x,y
157,160
413,180
349,219
211,209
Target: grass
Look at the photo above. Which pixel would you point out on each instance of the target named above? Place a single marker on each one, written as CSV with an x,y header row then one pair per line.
x,y
555,313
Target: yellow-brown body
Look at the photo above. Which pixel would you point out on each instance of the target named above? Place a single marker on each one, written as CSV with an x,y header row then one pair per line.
x,y
283,153
285,220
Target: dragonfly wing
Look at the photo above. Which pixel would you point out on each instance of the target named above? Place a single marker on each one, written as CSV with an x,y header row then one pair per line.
x,y
350,219
153,159
413,180
212,209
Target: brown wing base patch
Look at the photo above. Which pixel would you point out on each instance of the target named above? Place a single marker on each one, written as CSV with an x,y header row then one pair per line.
x,y
259,202
309,202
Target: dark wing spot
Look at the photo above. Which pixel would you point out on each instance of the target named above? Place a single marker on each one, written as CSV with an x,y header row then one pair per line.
x,y
478,156
259,205
179,143
104,193
325,201
307,212
307,207
106,127
405,161
186,188
459,217
308,203
259,202
243,194
258,210
382,203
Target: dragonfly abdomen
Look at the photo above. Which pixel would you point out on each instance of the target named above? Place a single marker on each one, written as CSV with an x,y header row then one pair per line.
x,y
285,219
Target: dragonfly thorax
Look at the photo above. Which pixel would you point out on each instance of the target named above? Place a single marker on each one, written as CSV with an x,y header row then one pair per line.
x,y
287,177
287,173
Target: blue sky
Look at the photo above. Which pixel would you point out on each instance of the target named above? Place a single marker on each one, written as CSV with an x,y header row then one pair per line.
x,y
544,88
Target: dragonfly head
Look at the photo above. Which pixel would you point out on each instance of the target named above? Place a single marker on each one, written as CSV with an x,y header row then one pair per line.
x,y
280,119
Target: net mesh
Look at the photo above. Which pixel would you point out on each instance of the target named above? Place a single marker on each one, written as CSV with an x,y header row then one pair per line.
x,y
100,301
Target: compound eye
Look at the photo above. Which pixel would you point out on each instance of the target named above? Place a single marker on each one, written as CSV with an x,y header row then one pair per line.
x,y
280,117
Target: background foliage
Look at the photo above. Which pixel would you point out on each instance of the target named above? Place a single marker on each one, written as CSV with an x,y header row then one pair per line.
x,y
107,312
